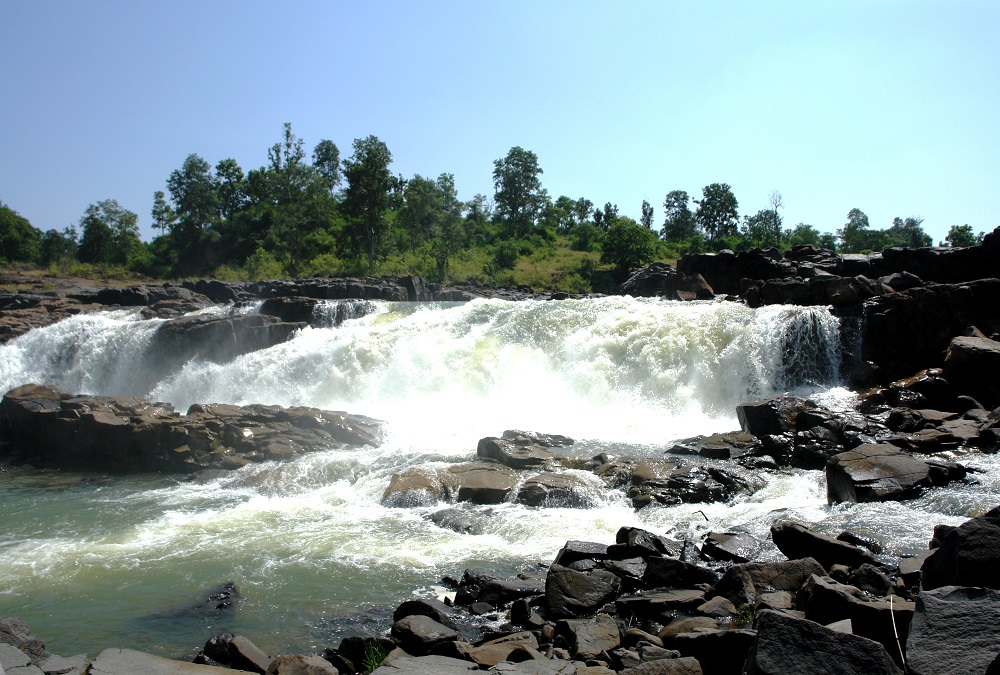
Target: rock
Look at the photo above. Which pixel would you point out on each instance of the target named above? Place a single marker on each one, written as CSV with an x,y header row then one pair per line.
x,y
670,573
498,592
871,580
688,624
492,652
458,520
967,555
131,662
535,438
12,658
653,604
216,338
290,310
771,416
16,633
743,584
58,665
728,446
554,490
413,487
954,630
635,542
826,601
300,664
684,665
570,594
973,363
875,472
425,665
418,634
797,541
734,547
717,608
718,652
510,454
479,483
788,645
245,655
573,551
435,609
588,638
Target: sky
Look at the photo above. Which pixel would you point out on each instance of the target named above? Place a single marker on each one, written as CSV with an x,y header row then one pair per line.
x,y
890,107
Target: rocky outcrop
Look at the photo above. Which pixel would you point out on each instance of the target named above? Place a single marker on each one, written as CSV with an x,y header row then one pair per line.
x,y
877,472
662,280
216,338
954,629
967,555
46,426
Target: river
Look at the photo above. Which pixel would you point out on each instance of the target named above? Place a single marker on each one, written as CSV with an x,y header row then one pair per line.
x,y
90,561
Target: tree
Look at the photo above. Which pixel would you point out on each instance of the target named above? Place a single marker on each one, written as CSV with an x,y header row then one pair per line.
x,y
560,215
20,241
518,194
163,216
231,189
961,235
192,189
909,233
58,246
647,215
478,212
627,245
110,233
762,229
717,211
582,209
326,160
678,223
854,236
802,234
366,199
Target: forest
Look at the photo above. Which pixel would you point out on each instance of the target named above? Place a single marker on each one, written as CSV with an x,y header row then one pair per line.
x,y
320,215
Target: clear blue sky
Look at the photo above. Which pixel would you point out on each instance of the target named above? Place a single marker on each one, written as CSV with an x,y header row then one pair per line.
x,y
890,107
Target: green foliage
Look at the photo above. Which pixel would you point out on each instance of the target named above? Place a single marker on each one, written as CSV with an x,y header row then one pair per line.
x,y
262,266
586,236
110,234
373,657
57,246
762,229
679,223
505,255
627,245
857,237
366,200
19,240
961,235
745,615
717,214
518,196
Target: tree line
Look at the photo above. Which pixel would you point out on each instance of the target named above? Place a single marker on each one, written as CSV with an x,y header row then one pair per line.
x,y
318,214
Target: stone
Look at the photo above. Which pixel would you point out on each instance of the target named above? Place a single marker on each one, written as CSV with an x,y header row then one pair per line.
x,y
717,608
412,487
684,665
245,655
742,584
771,416
499,592
435,609
131,662
797,541
875,472
554,490
58,665
569,593
871,580
16,633
574,550
733,547
954,630
688,624
651,604
507,452
479,483
633,542
672,573
718,651
418,634
301,664
789,645
535,438
588,638
405,664
967,555
826,601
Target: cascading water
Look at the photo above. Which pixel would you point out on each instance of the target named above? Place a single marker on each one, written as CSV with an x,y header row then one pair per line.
x,y
90,564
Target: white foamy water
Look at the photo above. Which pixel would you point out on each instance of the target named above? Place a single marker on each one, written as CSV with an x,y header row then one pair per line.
x,y
315,552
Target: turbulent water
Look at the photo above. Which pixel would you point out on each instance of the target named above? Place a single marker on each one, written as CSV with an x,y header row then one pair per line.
x,y
89,562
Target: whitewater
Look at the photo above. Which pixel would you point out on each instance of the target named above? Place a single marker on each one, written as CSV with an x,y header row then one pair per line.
x,y
91,561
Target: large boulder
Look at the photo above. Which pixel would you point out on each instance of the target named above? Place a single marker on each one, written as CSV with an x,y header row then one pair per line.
x,y
589,637
875,472
418,634
797,541
974,364
954,630
479,483
513,455
967,555
216,338
570,594
788,645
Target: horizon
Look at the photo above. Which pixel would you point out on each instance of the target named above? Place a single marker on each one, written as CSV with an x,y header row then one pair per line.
x,y
889,109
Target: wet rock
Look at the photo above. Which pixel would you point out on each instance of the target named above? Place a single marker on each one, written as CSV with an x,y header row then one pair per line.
x,y
871,580
744,583
418,634
301,664
573,551
635,542
671,573
797,541
413,487
510,454
775,415
535,438
554,490
734,547
967,555
728,446
788,645
435,609
653,604
499,592
676,666
954,629
479,483
875,472
569,593
216,338
718,652
405,664
458,520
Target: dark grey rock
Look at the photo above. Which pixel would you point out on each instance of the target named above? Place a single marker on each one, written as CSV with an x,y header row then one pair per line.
x,y
418,634
967,555
569,593
954,630
797,541
787,645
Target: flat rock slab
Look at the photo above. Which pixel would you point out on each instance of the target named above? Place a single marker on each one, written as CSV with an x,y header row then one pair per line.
x,y
426,665
954,630
797,541
875,472
131,662
479,482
